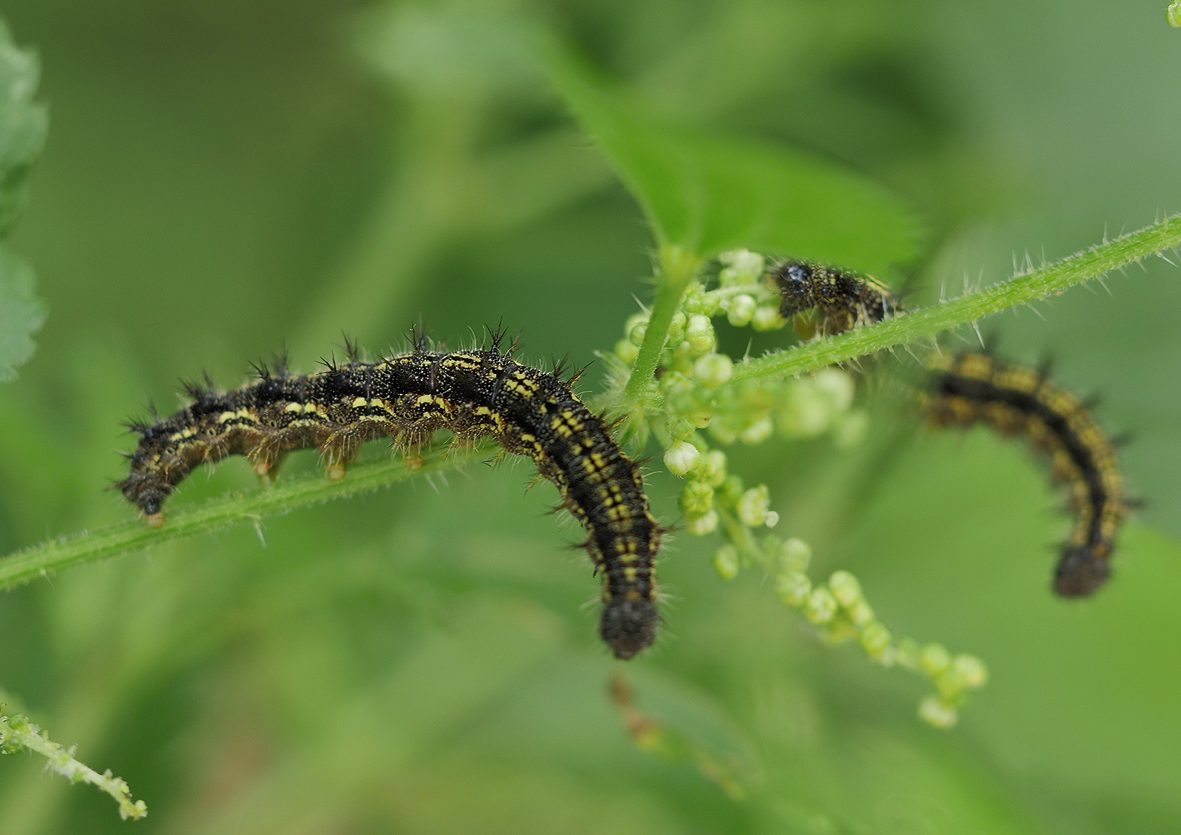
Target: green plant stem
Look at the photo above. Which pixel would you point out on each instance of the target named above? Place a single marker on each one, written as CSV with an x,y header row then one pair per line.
x,y
92,546
17,733
1038,284
677,268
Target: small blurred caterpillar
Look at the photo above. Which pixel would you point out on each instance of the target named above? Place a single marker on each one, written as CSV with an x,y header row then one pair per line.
x,y
408,398
978,388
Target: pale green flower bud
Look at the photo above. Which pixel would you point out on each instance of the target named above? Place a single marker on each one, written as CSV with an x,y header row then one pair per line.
x,y
937,713
821,606
795,555
681,458
676,328
694,300
697,498
703,525
793,588
837,386
740,266
626,351
712,468
875,640
861,612
699,333
741,310
637,332
934,659
758,431
971,671
713,369
767,319
726,562
850,432
806,412
845,588
753,506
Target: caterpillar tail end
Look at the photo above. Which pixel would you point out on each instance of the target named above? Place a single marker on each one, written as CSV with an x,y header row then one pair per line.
x,y
1080,572
628,626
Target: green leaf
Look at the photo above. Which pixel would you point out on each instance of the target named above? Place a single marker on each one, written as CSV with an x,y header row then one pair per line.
x,y
21,313
22,134
23,125
708,193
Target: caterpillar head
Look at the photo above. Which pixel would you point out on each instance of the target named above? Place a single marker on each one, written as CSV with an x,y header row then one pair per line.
x,y
797,287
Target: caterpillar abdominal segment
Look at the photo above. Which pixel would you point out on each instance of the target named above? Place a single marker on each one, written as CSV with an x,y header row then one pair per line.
x,y
844,299
978,388
408,398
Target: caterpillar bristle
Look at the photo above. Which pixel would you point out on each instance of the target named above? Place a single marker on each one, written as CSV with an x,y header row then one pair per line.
x,y
577,375
199,393
352,350
261,371
281,362
1123,439
137,426
496,335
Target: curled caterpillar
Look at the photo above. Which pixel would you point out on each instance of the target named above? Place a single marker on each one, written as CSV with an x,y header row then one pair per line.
x,y
977,388
843,298
408,398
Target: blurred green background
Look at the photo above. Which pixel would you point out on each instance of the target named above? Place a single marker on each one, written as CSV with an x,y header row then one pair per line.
x,y
223,177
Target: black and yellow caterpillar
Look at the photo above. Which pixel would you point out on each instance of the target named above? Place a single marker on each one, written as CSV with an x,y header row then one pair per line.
x,y
408,398
976,387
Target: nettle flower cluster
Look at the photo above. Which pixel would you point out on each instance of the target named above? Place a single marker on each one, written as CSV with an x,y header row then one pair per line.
x,y
698,409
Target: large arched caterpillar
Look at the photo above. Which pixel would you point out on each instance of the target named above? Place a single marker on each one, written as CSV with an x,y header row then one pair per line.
x,y
408,397
978,388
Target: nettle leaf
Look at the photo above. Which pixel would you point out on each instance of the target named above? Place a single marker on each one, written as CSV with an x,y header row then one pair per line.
x,y
21,313
23,124
709,193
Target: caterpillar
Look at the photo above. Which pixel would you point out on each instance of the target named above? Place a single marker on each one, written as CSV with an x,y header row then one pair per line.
x,y
408,397
979,388
843,298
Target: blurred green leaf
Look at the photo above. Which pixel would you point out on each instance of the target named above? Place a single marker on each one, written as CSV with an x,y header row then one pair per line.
x,y
448,51
21,313
709,193
22,135
23,124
